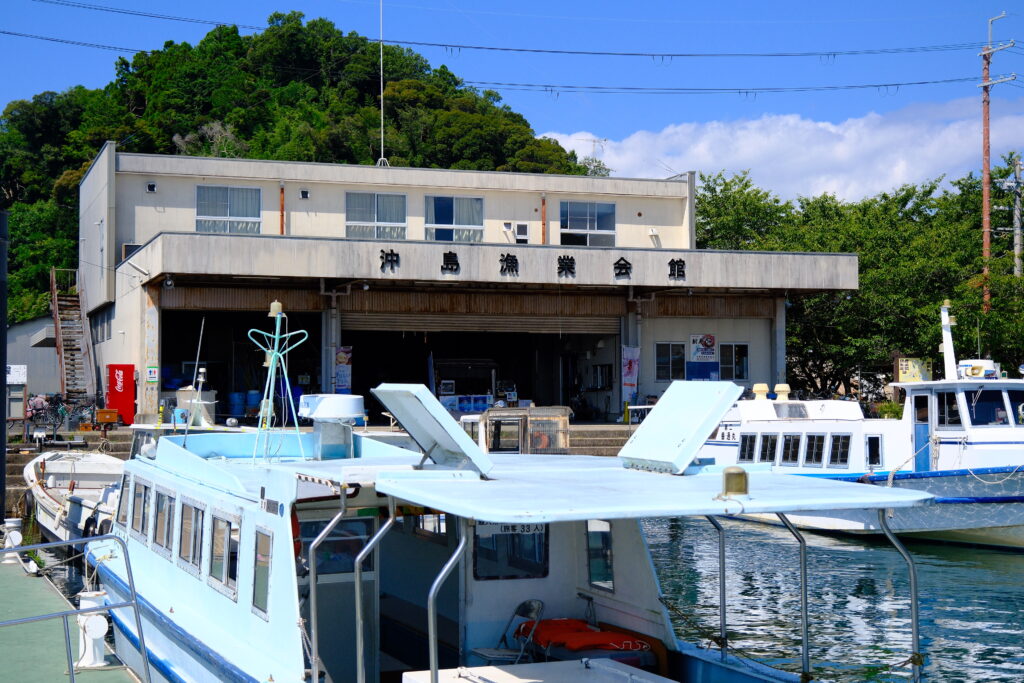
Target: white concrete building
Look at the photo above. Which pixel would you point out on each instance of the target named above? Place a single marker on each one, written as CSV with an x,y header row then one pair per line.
x,y
482,280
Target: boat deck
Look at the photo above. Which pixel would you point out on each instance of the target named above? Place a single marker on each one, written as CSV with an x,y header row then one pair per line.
x,y
36,651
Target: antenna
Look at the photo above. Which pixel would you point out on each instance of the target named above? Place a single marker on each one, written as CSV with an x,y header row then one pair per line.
x,y
382,161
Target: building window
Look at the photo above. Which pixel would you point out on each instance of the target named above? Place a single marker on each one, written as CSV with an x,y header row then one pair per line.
x,y
734,361
261,578
599,554
747,445
769,444
100,324
454,219
839,453
190,536
588,224
233,210
163,534
814,452
510,551
375,216
873,446
669,361
224,552
790,449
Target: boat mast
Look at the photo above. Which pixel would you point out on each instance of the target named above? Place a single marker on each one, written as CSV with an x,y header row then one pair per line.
x,y
948,357
275,345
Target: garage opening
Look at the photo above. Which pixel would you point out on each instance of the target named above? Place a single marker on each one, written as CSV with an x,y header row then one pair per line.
x,y
233,363
575,370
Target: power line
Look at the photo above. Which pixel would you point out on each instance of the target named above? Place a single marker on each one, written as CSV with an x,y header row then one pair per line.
x,y
626,89
585,53
72,42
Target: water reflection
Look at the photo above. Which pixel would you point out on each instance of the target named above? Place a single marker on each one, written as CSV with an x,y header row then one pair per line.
x,y
972,601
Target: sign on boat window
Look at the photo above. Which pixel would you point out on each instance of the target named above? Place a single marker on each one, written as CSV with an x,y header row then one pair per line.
x,y
790,449
510,551
747,445
337,553
599,554
986,407
839,453
814,452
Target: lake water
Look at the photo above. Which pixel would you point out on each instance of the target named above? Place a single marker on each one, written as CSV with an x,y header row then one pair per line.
x,y
971,601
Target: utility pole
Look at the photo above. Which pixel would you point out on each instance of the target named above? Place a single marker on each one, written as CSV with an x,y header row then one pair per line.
x,y
1016,217
986,171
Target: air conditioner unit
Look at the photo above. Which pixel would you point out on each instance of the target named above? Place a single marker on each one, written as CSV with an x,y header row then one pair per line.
x,y
129,249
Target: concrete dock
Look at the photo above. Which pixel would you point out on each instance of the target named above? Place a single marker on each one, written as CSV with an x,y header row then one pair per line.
x,y
36,651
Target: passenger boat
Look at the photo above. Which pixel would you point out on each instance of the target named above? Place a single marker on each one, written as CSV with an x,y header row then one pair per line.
x,y
332,555
960,439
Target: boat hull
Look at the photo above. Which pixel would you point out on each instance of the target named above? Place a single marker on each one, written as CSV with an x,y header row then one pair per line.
x,y
981,507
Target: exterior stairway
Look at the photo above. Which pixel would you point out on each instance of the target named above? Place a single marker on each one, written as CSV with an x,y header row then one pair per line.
x,y
605,439
73,351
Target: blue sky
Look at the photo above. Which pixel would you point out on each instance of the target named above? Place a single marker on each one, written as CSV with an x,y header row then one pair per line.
x,y
851,142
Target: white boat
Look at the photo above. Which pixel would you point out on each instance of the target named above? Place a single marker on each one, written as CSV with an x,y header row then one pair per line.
x,y
73,493
288,555
960,439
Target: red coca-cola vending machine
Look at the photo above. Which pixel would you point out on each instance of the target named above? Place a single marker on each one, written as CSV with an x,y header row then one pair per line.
x,y
121,391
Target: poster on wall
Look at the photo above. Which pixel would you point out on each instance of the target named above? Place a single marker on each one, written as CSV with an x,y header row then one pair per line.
x,y
914,370
343,370
17,374
630,372
703,360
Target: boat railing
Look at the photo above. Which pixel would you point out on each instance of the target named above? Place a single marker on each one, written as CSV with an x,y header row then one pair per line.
x,y
132,602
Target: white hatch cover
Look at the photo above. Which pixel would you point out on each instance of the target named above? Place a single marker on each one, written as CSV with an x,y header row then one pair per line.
x,y
432,427
673,432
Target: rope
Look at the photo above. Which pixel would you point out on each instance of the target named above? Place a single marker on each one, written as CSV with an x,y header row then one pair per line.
x,y
962,442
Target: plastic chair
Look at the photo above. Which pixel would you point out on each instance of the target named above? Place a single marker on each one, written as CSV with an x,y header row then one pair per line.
x,y
505,652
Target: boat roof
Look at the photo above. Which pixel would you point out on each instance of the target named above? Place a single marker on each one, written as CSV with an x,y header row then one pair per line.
x,y
963,384
545,488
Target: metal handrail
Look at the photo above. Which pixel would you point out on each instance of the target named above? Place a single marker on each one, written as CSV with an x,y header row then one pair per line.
x,y
314,610
723,633
916,657
805,644
363,554
55,312
435,588
133,603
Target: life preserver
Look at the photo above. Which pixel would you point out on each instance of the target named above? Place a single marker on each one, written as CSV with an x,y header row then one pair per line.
x,y
540,440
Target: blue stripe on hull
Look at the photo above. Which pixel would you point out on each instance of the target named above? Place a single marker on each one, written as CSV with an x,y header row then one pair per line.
x,y
934,474
222,668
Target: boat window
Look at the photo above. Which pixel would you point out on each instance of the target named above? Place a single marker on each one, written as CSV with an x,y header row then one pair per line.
x,y
432,526
510,551
873,446
790,410
163,533
140,509
599,554
839,453
790,449
769,444
224,552
504,436
747,443
337,553
986,407
814,451
122,500
1016,405
949,411
190,536
143,444
261,578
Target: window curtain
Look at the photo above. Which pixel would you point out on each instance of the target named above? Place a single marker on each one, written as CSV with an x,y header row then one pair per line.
x,y
359,207
245,202
469,211
391,208
211,201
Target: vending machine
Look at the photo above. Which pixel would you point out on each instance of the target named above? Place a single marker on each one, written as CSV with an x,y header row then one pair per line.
x,y
121,391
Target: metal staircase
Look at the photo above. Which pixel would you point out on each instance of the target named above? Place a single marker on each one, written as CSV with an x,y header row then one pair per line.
x,y
74,353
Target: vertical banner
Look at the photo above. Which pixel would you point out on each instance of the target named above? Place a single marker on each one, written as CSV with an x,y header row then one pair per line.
x,y
630,372
703,361
343,370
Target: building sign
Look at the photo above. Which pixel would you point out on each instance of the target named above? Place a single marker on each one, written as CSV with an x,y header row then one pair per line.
x,y
389,259
509,264
152,374
343,370
622,267
630,372
677,269
566,266
703,360
17,374
450,262
914,370
489,529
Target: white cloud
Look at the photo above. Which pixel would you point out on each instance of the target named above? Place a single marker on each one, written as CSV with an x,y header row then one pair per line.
x,y
793,155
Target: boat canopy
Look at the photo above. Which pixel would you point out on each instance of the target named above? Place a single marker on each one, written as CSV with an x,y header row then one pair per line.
x,y
526,488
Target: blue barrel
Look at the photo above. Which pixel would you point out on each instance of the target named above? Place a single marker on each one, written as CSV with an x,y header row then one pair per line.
x,y
253,398
236,404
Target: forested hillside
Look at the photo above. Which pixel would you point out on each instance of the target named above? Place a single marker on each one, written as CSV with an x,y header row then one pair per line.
x,y
298,91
